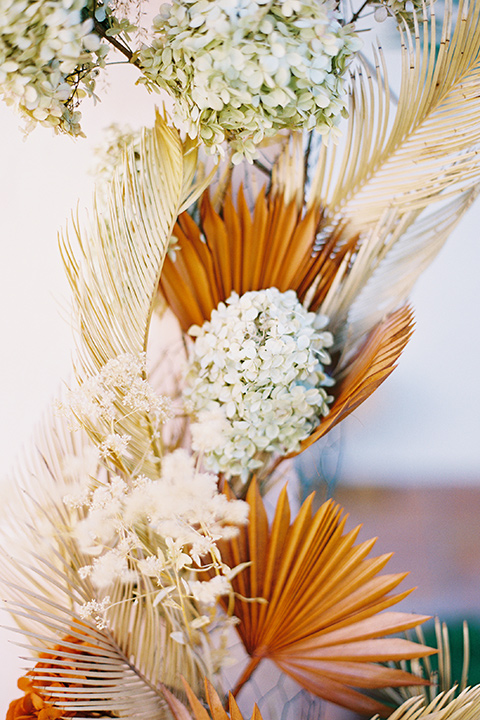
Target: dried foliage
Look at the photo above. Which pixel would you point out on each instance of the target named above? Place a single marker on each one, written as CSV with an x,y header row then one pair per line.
x,y
320,623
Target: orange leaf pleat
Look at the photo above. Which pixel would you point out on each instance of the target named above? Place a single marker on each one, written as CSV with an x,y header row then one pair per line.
x,y
373,365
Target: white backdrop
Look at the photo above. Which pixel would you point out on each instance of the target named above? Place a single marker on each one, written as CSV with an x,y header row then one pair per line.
x,y
423,425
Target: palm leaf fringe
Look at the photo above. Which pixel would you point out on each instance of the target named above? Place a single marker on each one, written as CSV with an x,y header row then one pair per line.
x,y
431,147
82,669
445,706
115,271
217,711
320,623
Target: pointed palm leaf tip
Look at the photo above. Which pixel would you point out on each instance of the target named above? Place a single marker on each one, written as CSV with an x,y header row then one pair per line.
x,y
217,711
446,706
321,623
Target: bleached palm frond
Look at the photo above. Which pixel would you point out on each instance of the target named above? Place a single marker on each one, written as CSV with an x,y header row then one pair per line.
x,y
44,580
444,707
431,148
114,272
81,667
395,273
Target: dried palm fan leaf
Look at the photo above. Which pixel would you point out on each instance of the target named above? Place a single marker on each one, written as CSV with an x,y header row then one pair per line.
x,y
375,361
217,711
438,670
240,251
320,623
115,270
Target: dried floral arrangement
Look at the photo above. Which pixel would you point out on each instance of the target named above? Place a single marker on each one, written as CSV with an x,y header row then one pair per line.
x,y
267,234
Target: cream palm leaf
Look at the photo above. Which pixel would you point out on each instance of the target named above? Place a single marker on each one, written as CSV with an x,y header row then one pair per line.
x,y
47,583
446,706
393,279
390,171
100,677
431,145
114,272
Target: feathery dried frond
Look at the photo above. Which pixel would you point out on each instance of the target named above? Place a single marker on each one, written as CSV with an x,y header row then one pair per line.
x,y
82,668
446,706
395,275
431,147
115,271
320,623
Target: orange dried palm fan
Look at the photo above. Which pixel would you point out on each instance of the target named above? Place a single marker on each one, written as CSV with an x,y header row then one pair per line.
x,y
275,246
321,623
239,250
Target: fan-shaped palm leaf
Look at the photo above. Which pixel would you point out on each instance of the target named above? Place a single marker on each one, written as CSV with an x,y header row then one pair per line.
x,y
217,712
320,623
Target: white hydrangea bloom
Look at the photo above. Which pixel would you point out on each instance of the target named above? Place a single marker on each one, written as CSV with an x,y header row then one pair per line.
x,y
48,59
241,70
259,362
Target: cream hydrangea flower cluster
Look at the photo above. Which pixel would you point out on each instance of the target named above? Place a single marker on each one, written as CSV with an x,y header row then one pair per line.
x,y
242,70
256,379
158,528
48,57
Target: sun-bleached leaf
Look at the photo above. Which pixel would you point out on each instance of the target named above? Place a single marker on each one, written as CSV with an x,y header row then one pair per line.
x,y
114,265
395,275
320,623
445,706
80,667
431,147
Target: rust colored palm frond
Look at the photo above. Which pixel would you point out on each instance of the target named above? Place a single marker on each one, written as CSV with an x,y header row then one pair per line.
x,y
275,245
320,623
370,367
217,711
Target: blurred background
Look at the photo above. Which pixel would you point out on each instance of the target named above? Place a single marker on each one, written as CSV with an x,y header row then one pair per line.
x,y
406,464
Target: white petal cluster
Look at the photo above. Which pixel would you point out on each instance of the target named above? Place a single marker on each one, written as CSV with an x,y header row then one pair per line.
x,y
121,382
156,527
242,70
403,11
259,364
48,60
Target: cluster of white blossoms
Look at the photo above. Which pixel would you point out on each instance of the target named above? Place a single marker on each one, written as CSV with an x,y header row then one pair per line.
x,y
119,389
159,528
48,59
401,10
241,70
256,380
